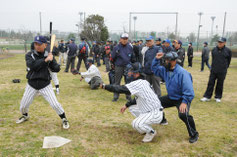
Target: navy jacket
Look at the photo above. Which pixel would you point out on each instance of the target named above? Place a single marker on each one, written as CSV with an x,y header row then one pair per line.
x,y
122,55
149,56
221,59
179,83
72,50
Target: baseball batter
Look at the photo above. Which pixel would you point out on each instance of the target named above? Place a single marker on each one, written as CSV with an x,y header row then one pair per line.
x,y
39,63
146,106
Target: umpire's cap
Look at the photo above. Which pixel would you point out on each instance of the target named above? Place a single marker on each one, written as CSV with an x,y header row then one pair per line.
x,y
171,56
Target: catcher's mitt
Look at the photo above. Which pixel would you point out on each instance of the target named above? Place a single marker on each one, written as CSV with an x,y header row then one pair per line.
x,y
75,72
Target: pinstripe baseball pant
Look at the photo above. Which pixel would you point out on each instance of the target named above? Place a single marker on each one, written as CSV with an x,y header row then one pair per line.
x,y
48,95
143,121
54,77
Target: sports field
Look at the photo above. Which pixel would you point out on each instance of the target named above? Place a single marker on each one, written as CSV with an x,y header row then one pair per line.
x,y
99,129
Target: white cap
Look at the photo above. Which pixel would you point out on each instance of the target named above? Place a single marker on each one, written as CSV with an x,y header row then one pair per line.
x,y
124,35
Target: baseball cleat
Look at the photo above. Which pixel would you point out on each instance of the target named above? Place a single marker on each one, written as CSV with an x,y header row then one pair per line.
x,y
164,122
57,91
65,123
218,100
194,138
22,119
204,99
148,137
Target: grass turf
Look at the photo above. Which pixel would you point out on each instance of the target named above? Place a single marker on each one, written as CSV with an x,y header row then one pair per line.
x,y
99,129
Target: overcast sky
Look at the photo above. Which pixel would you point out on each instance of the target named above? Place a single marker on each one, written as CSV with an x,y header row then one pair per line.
x,y
24,14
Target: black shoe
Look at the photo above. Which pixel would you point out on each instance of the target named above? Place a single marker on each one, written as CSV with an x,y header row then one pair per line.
x,y
114,100
164,122
194,138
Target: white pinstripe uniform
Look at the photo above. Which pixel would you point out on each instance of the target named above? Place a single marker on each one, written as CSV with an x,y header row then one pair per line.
x,y
48,94
148,109
54,77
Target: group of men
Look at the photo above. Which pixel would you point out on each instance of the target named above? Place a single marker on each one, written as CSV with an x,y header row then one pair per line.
x,y
143,66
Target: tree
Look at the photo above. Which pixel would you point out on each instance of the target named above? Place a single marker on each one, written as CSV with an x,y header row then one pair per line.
x,y
171,36
95,29
153,34
70,36
191,37
215,38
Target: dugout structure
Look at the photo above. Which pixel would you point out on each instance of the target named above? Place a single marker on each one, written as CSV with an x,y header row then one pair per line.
x,y
136,13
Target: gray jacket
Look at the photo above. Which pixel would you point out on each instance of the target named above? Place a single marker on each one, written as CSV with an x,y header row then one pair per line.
x,y
205,53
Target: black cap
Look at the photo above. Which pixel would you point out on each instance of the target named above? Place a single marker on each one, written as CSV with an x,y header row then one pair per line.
x,y
158,39
222,40
171,56
205,43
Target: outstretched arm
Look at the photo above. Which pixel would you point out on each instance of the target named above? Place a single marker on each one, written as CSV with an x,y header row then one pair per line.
x,y
116,88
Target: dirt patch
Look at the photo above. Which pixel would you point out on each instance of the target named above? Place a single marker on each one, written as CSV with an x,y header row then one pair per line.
x,y
3,56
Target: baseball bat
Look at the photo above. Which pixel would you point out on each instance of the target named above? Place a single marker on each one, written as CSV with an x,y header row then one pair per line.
x,y
52,41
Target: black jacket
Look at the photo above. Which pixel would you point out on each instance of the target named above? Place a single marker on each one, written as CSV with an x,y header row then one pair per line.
x,y
97,50
72,50
38,70
181,56
221,59
190,52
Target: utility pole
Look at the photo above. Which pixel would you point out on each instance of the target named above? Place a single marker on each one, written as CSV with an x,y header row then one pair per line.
x,y
212,25
223,33
134,18
199,26
40,23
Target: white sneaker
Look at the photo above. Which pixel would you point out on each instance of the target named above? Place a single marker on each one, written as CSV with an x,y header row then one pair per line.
x,y
218,100
148,137
204,99
65,123
22,119
57,91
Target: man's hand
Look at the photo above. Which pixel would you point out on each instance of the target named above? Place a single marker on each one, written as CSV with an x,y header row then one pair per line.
x,y
81,78
159,55
49,57
122,110
183,108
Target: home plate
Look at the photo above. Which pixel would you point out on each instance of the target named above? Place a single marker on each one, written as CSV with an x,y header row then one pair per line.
x,y
54,141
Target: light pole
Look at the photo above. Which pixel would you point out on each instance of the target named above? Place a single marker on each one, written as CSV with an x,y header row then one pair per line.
x,y
212,25
223,33
134,18
199,26
40,23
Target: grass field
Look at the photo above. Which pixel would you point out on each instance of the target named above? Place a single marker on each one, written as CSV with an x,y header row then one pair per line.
x,y
99,129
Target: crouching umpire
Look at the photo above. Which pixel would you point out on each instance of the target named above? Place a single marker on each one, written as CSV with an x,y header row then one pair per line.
x,y
39,64
179,88
146,106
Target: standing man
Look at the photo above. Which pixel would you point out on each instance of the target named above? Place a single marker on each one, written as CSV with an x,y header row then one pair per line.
x,y
107,57
145,106
97,53
190,55
158,42
221,58
71,55
205,56
122,55
180,51
136,51
179,86
62,54
150,54
82,54
39,64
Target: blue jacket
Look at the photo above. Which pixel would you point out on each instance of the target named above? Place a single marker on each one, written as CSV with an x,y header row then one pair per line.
x,y
122,55
72,50
179,84
81,45
149,56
